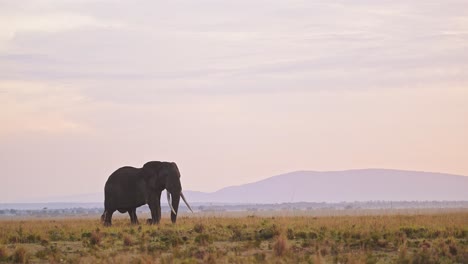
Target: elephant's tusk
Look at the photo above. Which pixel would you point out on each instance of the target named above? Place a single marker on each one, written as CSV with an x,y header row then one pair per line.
x,y
185,201
169,201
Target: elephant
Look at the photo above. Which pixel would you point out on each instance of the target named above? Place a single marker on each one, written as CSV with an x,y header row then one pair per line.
x,y
128,188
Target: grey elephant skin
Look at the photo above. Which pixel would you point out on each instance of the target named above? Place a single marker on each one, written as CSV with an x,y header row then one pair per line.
x,y
128,188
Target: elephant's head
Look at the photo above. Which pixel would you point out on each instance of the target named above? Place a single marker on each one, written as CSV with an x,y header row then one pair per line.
x,y
167,177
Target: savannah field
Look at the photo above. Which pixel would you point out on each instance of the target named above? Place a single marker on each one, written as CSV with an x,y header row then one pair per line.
x,y
439,236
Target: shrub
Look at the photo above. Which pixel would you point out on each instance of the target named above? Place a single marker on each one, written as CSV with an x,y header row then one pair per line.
x,y
260,257
199,228
44,242
20,234
22,237
267,232
49,253
371,259
313,235
210,259
254,243
56,235
20,255
422,257
96,238
415,232
199,253
169,237
403,257
290,234
72,237
237,234
306,243
461,234
202,239
31,238
86,235
43,253
127,241
324,251
281,246
301,234
14,239
3,253
153,248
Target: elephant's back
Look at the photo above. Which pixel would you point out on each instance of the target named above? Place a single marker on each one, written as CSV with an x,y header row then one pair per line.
x,y
123,174
124,187
125,177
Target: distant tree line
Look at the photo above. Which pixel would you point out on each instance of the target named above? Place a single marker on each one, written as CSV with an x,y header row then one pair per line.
x,y
300,206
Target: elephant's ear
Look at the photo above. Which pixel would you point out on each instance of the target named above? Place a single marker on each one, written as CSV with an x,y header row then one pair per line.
x,y
176,168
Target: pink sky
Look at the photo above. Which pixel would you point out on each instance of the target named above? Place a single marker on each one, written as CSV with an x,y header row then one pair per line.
x,y
233,91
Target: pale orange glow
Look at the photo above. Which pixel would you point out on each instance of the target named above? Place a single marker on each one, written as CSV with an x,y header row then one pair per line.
x,y
231,100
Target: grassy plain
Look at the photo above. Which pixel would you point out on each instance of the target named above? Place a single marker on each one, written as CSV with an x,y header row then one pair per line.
x,y
430,237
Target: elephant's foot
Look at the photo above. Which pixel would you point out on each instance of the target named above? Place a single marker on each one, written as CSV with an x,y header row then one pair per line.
x,y
107,223
150,221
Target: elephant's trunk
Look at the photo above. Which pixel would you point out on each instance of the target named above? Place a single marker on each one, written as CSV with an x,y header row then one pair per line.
x,y
170,204
174,204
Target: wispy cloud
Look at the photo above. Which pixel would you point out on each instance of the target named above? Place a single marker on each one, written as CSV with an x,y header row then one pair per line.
x,y
242,46
265,86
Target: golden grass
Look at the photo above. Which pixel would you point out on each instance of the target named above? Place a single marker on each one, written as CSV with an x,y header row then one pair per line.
x,y
428,238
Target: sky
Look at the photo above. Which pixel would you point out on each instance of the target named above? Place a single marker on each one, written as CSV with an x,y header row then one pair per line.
x,y
232,91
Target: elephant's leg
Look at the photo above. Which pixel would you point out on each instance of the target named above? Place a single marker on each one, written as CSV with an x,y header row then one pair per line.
x,y
158,213
130,213
136,218
103,216
133,216
108,217
155,213
155,208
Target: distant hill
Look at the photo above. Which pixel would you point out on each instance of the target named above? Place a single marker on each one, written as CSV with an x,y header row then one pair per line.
x,y
350,185
329,186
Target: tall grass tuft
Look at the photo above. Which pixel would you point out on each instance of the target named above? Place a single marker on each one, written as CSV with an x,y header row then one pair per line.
x,y
280,247
20,255
127,241
96,238
199,228
3,254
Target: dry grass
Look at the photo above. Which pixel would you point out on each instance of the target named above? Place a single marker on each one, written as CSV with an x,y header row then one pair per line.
x,y
3,254
96,237
20,255
128,241
429,238
280,247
